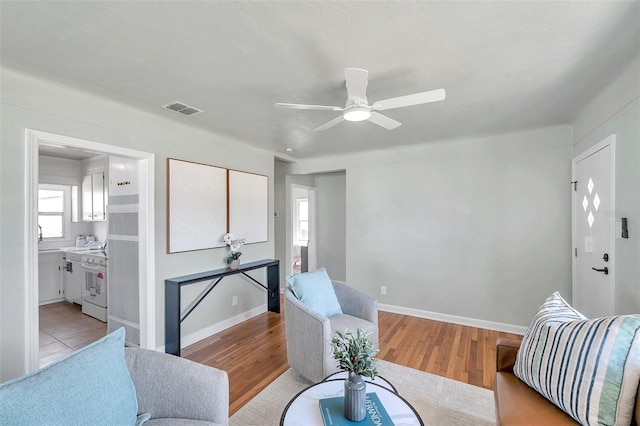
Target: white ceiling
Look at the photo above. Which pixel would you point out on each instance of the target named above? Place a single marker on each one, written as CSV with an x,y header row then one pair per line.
x,y
505,65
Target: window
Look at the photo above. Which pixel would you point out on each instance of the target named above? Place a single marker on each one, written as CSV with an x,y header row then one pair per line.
x,y
54,212
302,228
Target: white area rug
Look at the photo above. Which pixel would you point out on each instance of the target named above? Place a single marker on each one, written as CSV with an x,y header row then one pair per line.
x,y
439,401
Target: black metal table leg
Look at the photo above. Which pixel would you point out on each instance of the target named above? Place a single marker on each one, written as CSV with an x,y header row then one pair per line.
x,y
172,317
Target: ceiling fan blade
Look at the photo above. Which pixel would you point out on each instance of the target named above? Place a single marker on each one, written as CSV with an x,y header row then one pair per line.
x,y
408,100
384,121
302,106
332,123
356,82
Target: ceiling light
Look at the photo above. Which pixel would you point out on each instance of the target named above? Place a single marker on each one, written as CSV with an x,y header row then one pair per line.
x,y
357,114
289,149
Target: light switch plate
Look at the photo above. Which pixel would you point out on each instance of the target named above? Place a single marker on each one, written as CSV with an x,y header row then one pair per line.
x,y
588,244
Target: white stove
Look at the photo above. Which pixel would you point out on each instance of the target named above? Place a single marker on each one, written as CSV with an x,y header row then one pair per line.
x,y
94,291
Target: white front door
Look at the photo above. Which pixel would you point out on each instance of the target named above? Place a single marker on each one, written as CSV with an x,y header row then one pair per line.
x,y
593,221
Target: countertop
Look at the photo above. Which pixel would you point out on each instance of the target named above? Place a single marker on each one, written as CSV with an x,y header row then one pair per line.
x,y
75,250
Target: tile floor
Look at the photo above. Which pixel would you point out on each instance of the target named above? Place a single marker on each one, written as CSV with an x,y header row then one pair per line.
x,y
64,328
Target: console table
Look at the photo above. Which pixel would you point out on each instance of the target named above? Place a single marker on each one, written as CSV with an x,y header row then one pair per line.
x,y
173,318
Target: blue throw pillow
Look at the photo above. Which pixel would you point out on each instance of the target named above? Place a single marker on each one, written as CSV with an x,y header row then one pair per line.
x,y
315,290
92,386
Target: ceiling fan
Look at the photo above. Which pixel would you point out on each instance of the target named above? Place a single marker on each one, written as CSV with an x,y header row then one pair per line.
x,y
357,107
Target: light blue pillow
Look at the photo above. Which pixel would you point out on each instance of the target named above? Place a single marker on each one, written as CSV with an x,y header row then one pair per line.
x,y
315,290
92,386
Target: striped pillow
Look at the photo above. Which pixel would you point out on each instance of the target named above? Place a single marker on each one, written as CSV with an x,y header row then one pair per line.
x,y
588,368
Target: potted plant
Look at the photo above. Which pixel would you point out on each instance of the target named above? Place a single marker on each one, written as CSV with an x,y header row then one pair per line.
x,y
355,354
234,245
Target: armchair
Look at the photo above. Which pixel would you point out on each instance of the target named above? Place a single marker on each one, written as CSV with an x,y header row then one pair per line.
x,y
175,390
105,383
309,333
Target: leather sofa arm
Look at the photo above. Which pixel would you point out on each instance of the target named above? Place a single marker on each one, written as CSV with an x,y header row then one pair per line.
x,y
506,350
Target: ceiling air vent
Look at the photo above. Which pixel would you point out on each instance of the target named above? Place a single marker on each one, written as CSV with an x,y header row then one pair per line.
x,y
182,108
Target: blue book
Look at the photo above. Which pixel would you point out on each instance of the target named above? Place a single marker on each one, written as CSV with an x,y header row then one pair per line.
x,y
333,412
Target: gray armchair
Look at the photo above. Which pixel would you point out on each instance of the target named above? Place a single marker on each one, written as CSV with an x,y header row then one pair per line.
x,y
178,391
309,332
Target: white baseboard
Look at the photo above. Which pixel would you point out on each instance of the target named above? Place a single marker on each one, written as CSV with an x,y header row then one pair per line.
x,y
471,322
209,331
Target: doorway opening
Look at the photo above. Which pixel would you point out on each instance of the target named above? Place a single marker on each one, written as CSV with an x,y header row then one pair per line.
x,y
146,240
303,229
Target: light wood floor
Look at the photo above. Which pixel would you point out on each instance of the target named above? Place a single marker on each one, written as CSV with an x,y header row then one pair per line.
x,y
254,352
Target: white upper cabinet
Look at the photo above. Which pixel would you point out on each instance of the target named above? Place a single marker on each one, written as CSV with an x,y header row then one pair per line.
x,y
123,176
93,197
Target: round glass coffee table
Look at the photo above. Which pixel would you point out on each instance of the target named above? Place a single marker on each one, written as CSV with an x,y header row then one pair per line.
x,y
304,408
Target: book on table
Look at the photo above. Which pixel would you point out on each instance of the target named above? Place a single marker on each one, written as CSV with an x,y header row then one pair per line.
x,y
332,410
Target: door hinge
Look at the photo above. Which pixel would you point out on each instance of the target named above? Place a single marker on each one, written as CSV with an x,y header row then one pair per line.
x,y
575,252
575,185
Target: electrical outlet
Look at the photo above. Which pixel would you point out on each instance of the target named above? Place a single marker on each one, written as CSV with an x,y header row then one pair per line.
x,y
383,289
234,300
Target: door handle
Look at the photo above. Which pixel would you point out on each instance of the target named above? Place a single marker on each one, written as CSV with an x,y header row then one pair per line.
x,y
605,270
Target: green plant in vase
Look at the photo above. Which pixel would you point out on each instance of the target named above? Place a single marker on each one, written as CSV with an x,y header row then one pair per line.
x,y
356,355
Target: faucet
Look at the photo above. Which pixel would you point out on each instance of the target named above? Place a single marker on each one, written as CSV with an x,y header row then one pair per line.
x,y
39,233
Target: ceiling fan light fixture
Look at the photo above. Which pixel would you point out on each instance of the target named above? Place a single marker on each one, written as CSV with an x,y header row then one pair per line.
x,y
357,114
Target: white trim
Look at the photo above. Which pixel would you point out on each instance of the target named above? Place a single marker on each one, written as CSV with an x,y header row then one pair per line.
x,y
125,322
209,331
147,237
437,316
31,311
608,141
146,249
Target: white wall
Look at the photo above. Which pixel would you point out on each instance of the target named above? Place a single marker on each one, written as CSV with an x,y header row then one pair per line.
x,y
471,228
616,110
30,102
280,222
331,213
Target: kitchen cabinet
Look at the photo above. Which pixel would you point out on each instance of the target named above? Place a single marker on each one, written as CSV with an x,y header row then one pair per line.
x,y
73,278
123,176
49,277
93,197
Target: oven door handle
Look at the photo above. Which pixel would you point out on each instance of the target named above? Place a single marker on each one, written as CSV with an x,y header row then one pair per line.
x,y
93,268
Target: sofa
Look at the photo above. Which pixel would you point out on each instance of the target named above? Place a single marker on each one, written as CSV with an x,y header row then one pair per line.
x,y
518,404
107,384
